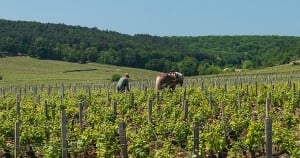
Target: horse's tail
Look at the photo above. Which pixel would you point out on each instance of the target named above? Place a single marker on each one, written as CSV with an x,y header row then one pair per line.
x,y
157,83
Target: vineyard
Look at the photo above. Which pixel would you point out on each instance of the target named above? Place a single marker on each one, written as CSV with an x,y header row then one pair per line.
x,y
215,117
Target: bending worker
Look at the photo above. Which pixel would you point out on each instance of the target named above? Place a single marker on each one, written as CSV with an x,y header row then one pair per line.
x,y
123,83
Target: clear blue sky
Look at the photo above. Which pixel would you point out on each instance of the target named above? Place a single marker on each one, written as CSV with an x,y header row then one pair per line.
x,y
164,17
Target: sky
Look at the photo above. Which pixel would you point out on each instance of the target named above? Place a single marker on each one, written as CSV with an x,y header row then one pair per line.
x,y
164,17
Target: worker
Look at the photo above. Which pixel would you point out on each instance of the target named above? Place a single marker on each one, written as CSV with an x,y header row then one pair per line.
x,y
123,83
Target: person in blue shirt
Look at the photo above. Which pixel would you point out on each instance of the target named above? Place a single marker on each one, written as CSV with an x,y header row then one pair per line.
x,y
123,83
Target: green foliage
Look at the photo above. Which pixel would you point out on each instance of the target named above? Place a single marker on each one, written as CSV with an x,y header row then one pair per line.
x,y
115,77
214,138
208,69
0,77
82,45
283,137
254,136
154,64
236,129
247,65
140,148
52,149
188,66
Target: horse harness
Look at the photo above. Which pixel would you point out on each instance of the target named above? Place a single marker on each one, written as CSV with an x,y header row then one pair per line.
x,y
170,79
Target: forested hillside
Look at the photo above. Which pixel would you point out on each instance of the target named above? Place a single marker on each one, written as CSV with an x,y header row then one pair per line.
x,y
190,55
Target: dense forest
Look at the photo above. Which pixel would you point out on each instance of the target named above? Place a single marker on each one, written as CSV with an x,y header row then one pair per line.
x,y
190,55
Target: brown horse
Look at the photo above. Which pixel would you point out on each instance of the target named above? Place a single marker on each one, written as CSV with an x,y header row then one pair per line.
x,y
170,80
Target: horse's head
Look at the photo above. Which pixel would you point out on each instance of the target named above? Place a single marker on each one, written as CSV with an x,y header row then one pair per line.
x,y
179,78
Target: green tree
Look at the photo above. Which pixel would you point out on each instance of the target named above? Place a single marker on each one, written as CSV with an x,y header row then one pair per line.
x,y
207,69
106,57
188,66
82,44
92,54
247,64
41,48
155,64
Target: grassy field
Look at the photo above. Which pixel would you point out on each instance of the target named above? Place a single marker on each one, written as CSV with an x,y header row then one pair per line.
x,y
25,70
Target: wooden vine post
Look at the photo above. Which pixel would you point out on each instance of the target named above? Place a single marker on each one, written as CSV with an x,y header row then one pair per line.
x,y
38,99
114,110
241,84
184,96
239,100
46,112
17,126
108,98
202,86
196,139
80,115
123,141
63,134
132,101
49,90
210,100
256,87
186,110
2,92
268,130
150,111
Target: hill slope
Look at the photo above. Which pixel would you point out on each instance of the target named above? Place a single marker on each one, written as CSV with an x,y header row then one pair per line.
x,y
26,70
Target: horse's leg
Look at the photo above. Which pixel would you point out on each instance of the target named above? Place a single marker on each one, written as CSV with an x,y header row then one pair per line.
x,y
164,86
158,83
172,87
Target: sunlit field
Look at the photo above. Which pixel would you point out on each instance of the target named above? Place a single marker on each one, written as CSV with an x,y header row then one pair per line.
x,y
25,70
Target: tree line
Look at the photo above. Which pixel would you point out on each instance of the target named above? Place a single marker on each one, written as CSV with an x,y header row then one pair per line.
x,y
188,54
